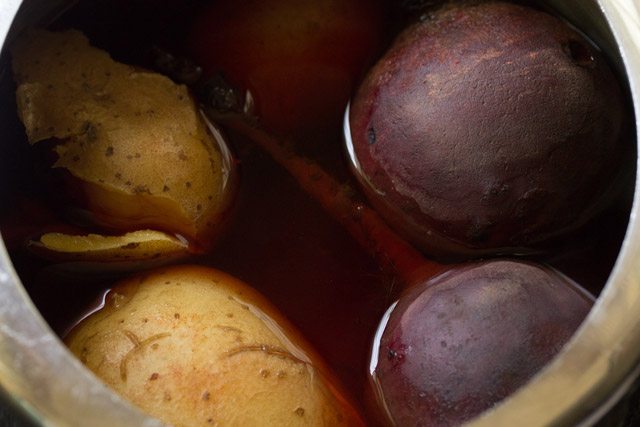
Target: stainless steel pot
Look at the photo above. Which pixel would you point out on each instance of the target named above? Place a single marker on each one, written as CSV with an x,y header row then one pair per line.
x,y
594,371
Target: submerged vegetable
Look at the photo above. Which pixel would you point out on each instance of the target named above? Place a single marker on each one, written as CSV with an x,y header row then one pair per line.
x,y
133,141
459,343
299,59
194,346
489,128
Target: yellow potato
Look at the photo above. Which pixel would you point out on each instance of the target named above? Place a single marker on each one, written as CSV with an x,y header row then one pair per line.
x,y
195,347
143,154
138,245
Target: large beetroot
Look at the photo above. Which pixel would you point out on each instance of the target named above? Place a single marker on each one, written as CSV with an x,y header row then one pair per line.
x,y
488,127
459,343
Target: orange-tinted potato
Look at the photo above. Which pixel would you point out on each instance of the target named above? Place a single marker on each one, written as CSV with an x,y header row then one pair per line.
x,y
299,59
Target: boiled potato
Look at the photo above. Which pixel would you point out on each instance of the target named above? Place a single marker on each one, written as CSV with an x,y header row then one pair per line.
x,y
141,152
138,245
193,346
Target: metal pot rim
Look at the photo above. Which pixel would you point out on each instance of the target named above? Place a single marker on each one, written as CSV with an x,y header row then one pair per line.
x,y
590,375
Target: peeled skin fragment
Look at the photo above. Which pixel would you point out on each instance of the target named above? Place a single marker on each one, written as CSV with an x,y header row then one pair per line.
x,y
141,151
138,245
489,128
193,346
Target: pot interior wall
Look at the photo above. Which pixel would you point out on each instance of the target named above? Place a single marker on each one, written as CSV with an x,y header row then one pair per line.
x,y
34,366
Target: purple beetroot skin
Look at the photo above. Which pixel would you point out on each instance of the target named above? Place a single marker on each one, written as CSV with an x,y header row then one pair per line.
x,y
460,343
489,128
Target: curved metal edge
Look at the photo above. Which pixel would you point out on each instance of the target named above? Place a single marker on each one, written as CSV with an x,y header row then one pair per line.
x,y
601,362
50,385
36,369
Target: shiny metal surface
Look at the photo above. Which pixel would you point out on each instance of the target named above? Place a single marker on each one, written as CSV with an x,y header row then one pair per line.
x,y
602,360
589,376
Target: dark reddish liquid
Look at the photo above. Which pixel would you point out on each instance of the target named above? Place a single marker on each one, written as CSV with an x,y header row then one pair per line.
x,y
279,240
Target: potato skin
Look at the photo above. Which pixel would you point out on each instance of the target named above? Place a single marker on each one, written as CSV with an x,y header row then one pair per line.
x,y
489,128
459,343
135,145
193,346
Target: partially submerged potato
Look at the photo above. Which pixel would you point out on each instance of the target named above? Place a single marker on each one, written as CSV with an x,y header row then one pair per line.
x,y
195,347
489,127
138,245
142,153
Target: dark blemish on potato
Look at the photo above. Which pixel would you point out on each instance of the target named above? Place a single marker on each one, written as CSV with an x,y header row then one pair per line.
x,y
138,346
154,376
265,373
107,73
210,420
176,315
49,86
83,354
128,183
167,282
210,197
145,320
229,315
188,184
167,396
139,189
118,175
299,411
154,346
137,155
182,156
131,245
199,207
121,321
90,131
206,395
